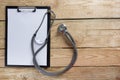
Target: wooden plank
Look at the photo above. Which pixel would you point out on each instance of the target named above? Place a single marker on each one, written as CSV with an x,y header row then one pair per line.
x,y
2,29
87,33
90,41
86,57
76,73
80,24
82,41
75,8
2,58
2,43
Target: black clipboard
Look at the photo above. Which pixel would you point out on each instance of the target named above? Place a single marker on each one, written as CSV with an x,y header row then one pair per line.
x,y
11,40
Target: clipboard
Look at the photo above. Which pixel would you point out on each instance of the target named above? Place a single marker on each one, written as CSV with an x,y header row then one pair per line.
x,y
21,23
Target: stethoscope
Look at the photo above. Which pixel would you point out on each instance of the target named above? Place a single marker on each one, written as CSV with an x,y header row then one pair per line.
x,y
62,29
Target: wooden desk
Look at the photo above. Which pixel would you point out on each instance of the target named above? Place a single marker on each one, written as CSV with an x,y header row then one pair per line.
x,y
95,25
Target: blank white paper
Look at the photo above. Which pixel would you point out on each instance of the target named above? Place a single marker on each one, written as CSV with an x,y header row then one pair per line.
x,y
21,26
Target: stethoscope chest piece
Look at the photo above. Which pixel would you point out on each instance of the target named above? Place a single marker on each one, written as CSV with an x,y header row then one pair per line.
x,y
62,28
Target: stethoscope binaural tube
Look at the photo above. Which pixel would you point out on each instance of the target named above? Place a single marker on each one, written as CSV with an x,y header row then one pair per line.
x,y
63,30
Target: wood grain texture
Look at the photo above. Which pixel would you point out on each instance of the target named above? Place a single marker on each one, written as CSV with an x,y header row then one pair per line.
x,y
2,43
2,57
86,57
70,8
98,40
76,73
89,33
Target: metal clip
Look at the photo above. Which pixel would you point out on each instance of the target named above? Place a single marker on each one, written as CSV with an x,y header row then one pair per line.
x,y
26,9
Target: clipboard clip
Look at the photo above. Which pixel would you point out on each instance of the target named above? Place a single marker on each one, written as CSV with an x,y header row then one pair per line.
x,y
26,9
